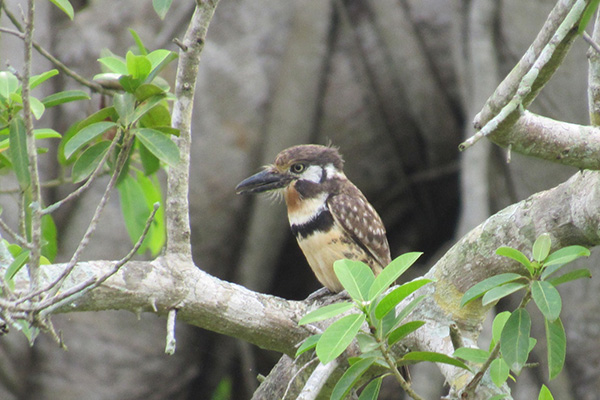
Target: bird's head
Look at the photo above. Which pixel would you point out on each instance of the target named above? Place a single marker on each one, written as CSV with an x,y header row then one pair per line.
x,y
307,165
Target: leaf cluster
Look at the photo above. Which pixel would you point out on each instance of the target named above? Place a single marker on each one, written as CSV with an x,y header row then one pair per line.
x,y
139,112
511,331
371,305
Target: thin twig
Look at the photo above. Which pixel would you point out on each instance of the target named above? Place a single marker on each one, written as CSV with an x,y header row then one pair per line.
x,y
21,241
59,64
591,42
171,342
471,386
68,296
394,368
51,208
52,183
528,80
128,141
317,380
296,374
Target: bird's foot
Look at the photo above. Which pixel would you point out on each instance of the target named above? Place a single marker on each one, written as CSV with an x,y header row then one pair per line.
x,y
325,295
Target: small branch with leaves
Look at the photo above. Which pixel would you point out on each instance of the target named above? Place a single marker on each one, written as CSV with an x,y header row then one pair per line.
x,y
511,341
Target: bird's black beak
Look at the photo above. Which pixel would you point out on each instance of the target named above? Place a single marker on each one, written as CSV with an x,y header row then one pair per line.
x,y
267,179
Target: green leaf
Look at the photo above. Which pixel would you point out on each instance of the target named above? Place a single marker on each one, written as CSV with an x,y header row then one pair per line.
x,y
476,356
150,162
556,341
88,161
350,378
516,255
18,152
9,84
404,312
545,393
161,146
559,258
566,255
541,247
587,15
308,344
64,97
15,266
37,107
532,343
146,106
36,80
124,104
157,234
338,336
325,312
157,118
104,114
392,272
45,133
355,276
499,371
146,90
366,342
480,288
403,330
86,135
392,299
161,7
514,340
138,42
547,299
371,391
499,292
159,61
571,276
137,66
418,356
65,6
133,207
114,64
498,325
49,236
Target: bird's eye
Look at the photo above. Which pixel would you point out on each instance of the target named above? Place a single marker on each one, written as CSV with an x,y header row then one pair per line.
x,y
298,168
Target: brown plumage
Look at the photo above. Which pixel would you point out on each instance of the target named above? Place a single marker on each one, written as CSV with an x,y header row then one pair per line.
x,y
329,216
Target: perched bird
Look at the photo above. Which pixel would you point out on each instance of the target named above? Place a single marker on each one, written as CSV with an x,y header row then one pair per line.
x,y
329,216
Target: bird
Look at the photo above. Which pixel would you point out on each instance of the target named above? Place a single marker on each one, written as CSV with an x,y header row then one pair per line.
x,y
329,216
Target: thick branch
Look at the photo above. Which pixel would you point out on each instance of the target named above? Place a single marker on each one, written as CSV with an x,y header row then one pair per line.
x,y
202,300
569,212
557,141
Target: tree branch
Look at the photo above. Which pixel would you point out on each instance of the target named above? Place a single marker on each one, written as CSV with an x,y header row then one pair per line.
x,y
556,141
178,220
569,212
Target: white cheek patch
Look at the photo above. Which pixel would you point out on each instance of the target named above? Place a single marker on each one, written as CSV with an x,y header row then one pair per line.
x,y
314,173
332,172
